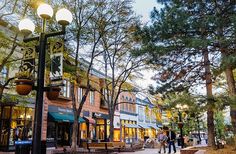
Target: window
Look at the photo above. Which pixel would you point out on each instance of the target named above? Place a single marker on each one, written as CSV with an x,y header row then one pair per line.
x,y
140,113
65,92
79,94
3,75
92,97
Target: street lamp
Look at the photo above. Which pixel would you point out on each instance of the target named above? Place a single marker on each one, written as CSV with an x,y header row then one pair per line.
x,y
180,123
63,17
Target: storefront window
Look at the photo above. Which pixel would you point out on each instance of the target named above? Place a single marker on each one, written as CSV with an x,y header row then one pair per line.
x,y
18,113
51,130
4,133
100,132
83,128
6,112
108,128
116,135
100,121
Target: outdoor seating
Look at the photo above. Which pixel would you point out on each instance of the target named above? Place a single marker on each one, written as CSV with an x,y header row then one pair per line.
x,y
192,150
107,146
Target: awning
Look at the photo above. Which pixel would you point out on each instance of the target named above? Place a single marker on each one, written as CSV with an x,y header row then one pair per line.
x,y
154,126
143,126
131,125
89,120
59,117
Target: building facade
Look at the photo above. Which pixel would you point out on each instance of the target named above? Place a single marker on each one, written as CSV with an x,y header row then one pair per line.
x,y
128,117
147,122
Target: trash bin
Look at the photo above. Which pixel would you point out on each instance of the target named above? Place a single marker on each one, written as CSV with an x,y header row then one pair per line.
x,y
23,147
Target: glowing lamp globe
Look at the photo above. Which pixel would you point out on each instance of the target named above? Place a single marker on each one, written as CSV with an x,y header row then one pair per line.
x,y
64,17
26,26
45,11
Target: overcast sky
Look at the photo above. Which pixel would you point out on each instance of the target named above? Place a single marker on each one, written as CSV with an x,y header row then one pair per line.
x,y
144,8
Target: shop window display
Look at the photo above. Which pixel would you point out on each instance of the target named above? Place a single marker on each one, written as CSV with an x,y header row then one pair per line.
x,y
16,125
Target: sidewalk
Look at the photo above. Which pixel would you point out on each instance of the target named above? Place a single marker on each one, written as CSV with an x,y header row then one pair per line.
x,y
144,151
150,151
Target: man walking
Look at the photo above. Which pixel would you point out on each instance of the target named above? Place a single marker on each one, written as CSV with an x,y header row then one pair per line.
x,y
162,138
171,140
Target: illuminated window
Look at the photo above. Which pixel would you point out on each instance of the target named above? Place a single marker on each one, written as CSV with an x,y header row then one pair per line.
x,y
3,75
65,91
92,97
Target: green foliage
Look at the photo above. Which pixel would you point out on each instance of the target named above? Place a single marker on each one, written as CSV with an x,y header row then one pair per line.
x,y
219,124
24,75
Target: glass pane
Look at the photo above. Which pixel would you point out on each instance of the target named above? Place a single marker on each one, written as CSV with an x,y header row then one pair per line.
x,y
28,130
29,113
4,133
18,113
6,112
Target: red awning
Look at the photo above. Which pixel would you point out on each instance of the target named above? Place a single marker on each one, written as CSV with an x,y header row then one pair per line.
x,y
89,120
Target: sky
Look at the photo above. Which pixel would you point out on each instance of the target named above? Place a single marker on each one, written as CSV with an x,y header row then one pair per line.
x,y
144,8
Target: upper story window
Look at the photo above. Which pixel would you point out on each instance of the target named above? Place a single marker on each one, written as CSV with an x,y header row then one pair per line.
x,y
79,94
65,91
92,97
3,75
140,113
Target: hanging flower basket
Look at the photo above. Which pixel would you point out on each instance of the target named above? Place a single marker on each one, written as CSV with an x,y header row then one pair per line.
x,y
53,93
24,86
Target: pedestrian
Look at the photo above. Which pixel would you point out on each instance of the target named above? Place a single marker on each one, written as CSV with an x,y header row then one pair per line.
x,y
162,138
171,140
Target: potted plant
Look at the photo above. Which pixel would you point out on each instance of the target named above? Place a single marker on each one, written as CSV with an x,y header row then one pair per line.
x,y
53,93
24,82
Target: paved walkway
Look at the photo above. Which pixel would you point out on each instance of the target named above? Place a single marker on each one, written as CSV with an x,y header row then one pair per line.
x,y
150,151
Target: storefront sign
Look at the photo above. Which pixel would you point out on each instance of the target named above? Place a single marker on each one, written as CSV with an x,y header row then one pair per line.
x,y
64,110
100,115
59,109
23,142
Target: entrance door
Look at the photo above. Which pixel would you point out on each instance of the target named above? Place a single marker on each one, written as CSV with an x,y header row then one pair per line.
x,y
64,135
100,132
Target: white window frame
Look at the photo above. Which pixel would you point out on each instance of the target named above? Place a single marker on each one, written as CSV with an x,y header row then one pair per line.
x,y
92,97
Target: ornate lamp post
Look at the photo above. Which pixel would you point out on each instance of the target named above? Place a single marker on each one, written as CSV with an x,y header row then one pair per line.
x,y
63,17
180,123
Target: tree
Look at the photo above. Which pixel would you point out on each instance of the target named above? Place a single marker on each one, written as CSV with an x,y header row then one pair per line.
x,y
8,46
84,33
225,44
182,37
119,65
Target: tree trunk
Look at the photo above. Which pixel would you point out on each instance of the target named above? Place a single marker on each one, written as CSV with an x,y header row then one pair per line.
x,y
74,136
75,124
210,102
1,92
111,126
232,92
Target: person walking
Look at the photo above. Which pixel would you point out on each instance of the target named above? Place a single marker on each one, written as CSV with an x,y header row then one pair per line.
x,y
162,138
171,140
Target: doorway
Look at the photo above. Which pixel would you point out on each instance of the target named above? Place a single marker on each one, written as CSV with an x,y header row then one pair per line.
x,y
64,133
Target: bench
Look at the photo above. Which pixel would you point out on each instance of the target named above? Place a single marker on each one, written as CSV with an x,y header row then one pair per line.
x,y
119,145
200,152
191,150
108,146
99,146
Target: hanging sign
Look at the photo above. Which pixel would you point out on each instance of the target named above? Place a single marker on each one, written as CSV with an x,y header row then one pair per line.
x,y
28,62
56,50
